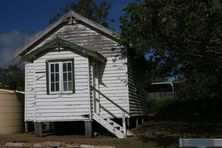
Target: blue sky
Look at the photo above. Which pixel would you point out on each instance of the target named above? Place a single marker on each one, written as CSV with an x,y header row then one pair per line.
x,y
20,19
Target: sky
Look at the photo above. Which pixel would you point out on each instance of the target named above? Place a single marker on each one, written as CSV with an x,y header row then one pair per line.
x,y
21,19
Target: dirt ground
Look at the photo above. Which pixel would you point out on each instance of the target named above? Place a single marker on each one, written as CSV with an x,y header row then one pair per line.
x,y
151,134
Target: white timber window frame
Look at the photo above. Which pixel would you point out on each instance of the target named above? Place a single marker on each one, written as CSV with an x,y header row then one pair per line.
x,y
60,76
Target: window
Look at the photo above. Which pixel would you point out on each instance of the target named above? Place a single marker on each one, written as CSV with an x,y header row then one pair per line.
x,y
60,76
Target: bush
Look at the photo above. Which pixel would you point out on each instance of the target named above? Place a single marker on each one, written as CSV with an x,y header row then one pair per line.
x,y
186,106
157,105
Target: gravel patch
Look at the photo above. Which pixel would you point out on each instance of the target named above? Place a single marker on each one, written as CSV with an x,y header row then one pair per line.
x,y
50,145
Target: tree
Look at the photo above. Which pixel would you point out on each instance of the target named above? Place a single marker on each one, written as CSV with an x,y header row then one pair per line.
x,y
97,12
186,39
12,78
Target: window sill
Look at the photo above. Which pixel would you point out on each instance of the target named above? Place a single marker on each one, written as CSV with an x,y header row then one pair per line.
x,y
61,93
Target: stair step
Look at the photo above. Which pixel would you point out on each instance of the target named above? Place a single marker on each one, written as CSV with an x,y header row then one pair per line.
x,y
129,133
118,128
110,122
111,126
113,123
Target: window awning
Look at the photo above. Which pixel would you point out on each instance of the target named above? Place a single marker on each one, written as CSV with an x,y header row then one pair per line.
x,y
61,44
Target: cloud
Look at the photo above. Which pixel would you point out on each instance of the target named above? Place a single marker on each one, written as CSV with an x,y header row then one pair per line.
x,y
9,43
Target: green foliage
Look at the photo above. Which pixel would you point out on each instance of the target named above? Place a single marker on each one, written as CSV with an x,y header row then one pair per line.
x,y
186,106
97,12
12,78
157,105
186,39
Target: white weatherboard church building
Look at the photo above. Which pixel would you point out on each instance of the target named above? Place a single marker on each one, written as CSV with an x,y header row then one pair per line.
x,y
76,70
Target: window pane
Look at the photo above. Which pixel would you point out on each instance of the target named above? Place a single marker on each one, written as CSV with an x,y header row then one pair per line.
x,y
52,86
65,86
69,76
52,78
57,77
57,86
64,76
69,67
57,67
52,67
70,86
64,67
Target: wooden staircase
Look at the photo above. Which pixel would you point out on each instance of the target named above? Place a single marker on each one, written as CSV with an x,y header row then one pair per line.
x,y
116,129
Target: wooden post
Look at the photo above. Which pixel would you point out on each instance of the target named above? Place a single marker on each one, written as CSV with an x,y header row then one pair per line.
x,y
26,127
50,126
128,123
88,129
38,129
137,122
142,120
124,124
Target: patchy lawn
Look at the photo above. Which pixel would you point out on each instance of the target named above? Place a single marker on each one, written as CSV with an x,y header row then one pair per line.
x,y
167,133
152,134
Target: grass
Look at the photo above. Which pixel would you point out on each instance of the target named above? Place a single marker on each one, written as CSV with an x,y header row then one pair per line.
x,y
152,134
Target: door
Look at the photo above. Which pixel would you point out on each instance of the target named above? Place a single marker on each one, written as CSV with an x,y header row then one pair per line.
x,y
95,84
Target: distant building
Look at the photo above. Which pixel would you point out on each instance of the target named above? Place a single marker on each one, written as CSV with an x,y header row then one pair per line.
x,y
162,90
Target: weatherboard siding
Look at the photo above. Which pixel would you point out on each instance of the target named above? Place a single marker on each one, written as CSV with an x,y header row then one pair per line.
x,y
137,102
80,35
113,85
62,107
29,91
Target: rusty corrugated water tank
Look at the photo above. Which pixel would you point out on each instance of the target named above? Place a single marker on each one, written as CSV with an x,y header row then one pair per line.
x,y
11,112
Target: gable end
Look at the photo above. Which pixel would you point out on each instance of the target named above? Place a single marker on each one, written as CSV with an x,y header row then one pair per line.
x,y
58,43
70,16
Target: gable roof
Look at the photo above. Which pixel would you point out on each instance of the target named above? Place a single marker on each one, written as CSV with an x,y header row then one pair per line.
x,y
64,19
58,43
